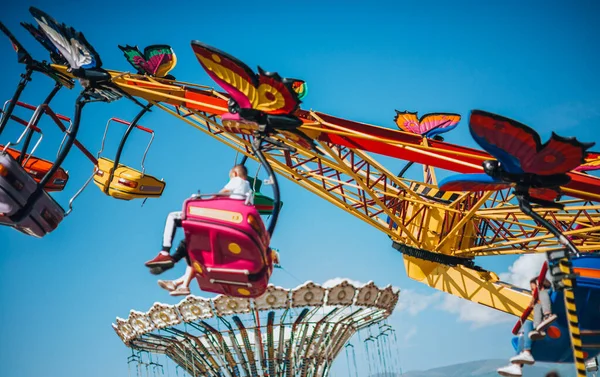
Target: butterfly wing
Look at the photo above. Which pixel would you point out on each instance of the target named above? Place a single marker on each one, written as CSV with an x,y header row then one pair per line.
x,y
438,123
472,182
544,194
135,57
511,142
22,54
407,121
592,162
275,94
39,36
235,77
300,87
160,60
71,44
557,156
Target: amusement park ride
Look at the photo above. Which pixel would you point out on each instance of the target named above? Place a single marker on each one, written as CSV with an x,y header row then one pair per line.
x,y
522,196
285,332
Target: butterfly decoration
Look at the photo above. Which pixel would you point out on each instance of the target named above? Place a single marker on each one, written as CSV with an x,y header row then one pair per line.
x,y
81,58
252,93
263,98
592,162
429,125
156,61
71,44
534,169
25,58
39,35
22,55
300,88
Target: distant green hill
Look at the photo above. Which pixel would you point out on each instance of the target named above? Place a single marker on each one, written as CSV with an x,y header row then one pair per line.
x,y
484,368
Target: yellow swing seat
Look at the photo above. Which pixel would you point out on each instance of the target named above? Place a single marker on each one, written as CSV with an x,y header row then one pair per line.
x,y
127,183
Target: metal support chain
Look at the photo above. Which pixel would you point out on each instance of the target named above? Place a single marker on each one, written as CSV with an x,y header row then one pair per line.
x,y
446,260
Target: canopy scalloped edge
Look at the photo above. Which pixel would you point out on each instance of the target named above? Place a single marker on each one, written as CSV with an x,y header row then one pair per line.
x,y
309,294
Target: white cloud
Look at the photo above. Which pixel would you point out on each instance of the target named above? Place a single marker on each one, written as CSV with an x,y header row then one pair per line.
x,y
525,267
414,303
411,302
410,333
519,274
468,311
335,281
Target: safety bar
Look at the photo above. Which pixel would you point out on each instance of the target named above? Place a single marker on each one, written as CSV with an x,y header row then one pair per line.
x,y
213,281
87,182
57,118
35,196
198,195
24,123
20,120
142,128
27,128
527,312
218,194
129,124
228,270
35,118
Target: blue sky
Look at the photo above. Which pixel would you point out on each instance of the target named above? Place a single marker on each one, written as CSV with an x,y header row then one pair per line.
x,y
536,62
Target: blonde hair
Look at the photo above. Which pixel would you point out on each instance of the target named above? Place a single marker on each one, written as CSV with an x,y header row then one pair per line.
x,y
241,171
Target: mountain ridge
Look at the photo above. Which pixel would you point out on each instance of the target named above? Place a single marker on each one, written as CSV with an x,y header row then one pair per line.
x,y
484,368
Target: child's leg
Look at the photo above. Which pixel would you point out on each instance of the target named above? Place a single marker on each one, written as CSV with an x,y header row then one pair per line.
x,y
527,328
179,281
521,342
183,288
537,315
189,276
546,309
523,356
163,261
180,252
544,297
173,221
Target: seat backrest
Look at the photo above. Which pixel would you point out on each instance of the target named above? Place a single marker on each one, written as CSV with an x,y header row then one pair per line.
x,y
15,177
255,184
226,212
38,167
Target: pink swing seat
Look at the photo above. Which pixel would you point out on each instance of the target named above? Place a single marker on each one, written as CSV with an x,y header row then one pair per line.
x,y
228,245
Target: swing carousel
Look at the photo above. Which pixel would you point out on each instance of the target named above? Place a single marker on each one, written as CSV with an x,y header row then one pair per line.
x,y
284,332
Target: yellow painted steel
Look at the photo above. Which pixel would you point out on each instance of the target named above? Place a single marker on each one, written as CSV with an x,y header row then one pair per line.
x,y
145,186
456,224
483,288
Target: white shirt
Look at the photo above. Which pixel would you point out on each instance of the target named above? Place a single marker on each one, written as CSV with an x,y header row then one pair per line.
x,y
238,188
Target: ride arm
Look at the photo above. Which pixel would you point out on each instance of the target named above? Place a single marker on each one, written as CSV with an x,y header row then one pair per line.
x,y
477,285
256,148
339,131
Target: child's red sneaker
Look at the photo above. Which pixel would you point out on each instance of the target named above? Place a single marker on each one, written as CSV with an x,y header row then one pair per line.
x,y
161,260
